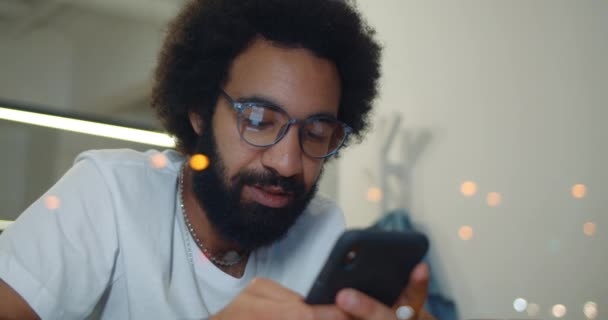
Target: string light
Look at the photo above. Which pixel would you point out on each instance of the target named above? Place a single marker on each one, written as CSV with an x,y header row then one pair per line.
x,y
199,162
465,233
589,228
52,202
590,310
520,305
533,309
579,191
158,160
559,310
374,194
468,188
493,199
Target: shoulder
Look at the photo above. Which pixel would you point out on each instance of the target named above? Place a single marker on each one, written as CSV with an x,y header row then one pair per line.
x,y
134,180
168,160
128,166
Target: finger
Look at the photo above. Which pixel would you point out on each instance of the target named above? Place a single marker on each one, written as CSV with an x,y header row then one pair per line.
x,y
414,295
361,306
268,309
328,312
266,288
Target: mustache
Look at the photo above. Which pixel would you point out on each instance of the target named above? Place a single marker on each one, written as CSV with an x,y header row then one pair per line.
x,y
269,178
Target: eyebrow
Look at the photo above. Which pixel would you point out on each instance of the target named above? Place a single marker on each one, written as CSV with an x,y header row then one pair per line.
x,y
269,101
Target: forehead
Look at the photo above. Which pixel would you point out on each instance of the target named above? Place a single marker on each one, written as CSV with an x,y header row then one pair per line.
x,y
294,78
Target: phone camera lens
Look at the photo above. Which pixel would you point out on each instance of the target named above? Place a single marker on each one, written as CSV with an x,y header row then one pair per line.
x,y
350,258
351,255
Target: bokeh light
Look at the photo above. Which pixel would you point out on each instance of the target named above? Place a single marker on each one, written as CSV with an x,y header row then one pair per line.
x,y
199,162
158,160
468,188
493,199
533,309
374,194
520,304
579,191
465,233
52,202
559,310
589,228
590,310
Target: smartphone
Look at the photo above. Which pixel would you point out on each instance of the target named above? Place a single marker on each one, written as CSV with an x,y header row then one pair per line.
x,y
375,262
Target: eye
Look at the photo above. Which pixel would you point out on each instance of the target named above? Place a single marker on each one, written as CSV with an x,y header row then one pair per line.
x,y
259,118
319,130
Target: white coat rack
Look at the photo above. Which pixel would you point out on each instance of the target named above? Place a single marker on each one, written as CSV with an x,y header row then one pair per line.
x,y
396,175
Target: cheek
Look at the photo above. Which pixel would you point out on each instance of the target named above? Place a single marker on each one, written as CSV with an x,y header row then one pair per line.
x,y
312,170
234,153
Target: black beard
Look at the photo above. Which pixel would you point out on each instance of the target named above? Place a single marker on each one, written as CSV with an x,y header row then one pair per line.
x,y
249,224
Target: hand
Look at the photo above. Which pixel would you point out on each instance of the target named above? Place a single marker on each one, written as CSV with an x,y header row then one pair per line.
x,y
361,306
268,300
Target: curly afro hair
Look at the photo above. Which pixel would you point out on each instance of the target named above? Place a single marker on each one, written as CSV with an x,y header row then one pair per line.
x,y
208,35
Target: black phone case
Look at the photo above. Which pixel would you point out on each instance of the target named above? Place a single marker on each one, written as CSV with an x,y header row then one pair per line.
x,y
375,262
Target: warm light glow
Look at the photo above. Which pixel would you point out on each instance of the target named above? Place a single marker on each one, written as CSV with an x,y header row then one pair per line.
x,y
374,194
493,199
465,233
533,309
4,224
88,127
559,310
520,305
468,188
590,310
158,160
589,228
52,202
579,191
199,162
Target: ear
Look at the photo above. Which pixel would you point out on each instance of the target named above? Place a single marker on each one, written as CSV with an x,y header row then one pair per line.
x,y
196,122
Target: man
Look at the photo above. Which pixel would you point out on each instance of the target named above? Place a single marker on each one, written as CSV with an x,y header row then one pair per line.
x,y
266,91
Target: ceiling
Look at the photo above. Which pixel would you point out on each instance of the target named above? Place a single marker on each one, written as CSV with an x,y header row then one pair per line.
x,y
24,15
18,18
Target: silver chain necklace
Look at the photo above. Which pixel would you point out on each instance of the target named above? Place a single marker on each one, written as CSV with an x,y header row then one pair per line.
x,y
231,258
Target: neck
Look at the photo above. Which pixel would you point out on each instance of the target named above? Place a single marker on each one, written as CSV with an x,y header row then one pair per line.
x,y
204,230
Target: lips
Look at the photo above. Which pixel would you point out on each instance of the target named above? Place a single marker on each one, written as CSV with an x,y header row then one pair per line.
x,y
273,197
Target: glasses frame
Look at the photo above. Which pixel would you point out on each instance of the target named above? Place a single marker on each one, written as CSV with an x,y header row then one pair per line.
x,y
241,106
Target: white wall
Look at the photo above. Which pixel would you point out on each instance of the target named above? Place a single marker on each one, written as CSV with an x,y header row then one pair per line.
x,y
114,60
514,96
36,68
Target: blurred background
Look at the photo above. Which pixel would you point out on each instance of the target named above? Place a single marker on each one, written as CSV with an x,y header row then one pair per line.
x,y
489,133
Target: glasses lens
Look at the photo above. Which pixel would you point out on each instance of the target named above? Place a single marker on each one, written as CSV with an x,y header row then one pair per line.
x,y
321,137
260,125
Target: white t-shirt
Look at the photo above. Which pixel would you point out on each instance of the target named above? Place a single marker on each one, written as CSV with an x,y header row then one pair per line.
x,y
110,237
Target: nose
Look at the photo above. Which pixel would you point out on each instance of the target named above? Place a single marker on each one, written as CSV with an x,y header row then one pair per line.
x,y
285,157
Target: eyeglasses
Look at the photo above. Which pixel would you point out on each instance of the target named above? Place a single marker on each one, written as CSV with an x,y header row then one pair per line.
x,y
263,124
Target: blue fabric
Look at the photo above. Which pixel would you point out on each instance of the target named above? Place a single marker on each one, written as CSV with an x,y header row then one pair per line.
x,y
437,304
